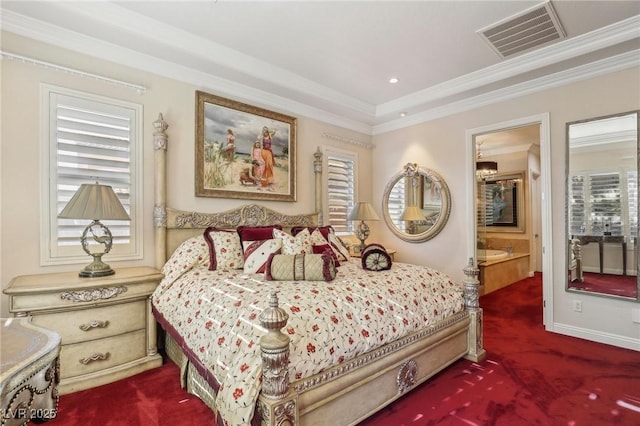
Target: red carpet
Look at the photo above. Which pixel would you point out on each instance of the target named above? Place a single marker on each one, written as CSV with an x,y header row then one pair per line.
x,y
616,285
530,377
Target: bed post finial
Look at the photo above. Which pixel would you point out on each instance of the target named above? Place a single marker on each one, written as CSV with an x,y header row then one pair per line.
x,y
472,304
471,285
275,351
160,139
317,169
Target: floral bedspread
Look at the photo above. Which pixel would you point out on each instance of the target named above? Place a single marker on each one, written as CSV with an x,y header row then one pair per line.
x,y
216,314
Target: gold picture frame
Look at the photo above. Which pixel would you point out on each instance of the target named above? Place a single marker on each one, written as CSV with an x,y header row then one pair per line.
x,y
243,151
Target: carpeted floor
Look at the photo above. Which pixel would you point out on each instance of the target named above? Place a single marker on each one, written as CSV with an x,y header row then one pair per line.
x,y
530,377
615,285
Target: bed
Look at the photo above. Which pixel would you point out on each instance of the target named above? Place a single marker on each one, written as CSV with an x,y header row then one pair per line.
x,y
251,348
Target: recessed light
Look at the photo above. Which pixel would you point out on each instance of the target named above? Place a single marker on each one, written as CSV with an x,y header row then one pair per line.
x,y
393,80
403,114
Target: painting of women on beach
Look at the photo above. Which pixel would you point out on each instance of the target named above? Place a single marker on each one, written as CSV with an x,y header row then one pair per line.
x,y
243,151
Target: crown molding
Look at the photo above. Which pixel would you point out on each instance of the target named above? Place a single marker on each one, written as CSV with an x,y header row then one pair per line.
x,y
343,139
619,32
66,39
174,38
121,19
590,70
26,59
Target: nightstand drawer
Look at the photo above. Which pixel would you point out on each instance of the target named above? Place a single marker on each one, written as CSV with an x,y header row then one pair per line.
x,y
96,355
90,324
105,323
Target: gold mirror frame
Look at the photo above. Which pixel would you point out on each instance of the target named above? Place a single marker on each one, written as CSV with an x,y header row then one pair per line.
x,y
420,178
594,236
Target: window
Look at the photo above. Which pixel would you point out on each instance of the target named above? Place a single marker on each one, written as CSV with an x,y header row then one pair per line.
x,y
87,139
600,202
397,204
340,184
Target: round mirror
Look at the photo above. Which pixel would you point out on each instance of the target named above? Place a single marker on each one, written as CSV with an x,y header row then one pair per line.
x,y
416,204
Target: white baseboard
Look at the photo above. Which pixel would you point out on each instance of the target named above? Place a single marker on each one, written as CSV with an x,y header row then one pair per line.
x,y
596,336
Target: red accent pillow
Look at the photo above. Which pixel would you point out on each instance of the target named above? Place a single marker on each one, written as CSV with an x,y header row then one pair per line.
x,y
324,230
257,233
322,248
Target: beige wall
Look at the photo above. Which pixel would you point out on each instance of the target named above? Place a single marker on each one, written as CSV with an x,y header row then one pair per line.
x,y
440,144
20,176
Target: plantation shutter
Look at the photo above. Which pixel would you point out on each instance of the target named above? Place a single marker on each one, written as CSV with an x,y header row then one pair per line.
x,y
93,143
606,208
632,190
340,192
396,204
577,213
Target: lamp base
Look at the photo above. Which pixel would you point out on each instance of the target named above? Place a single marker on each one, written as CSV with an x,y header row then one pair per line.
x,y
362,233
97,268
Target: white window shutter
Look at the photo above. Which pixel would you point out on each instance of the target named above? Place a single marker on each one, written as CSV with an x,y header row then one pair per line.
x,y
340,192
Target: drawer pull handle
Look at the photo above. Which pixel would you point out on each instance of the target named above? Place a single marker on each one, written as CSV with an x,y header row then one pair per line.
x,y
95,357
94,324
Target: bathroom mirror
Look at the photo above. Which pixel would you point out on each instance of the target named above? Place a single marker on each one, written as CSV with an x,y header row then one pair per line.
x,y
602,206
416,204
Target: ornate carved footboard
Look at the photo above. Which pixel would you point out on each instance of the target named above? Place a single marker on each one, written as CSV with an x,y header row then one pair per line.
x,y
280,401
346,393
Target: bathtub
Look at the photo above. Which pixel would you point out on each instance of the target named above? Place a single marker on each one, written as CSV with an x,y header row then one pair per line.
x,y
489,255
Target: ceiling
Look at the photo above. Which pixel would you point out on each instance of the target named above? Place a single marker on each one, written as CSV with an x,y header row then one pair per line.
x,y
332,60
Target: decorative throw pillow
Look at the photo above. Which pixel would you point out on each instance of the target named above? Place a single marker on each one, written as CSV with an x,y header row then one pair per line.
x,y
318,239
326,248
339,248
256,233
375,258
319,244
256,254
300,267
189,254
225,250
300,244
324,230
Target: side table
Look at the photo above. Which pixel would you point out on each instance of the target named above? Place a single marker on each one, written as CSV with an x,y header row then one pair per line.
x,y
106,326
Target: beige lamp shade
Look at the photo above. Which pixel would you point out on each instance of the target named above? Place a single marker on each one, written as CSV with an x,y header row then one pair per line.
x,y
363,211
96,202
413,213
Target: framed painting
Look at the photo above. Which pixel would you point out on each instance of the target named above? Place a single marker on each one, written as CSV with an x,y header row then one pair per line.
x,y
243,151
503,202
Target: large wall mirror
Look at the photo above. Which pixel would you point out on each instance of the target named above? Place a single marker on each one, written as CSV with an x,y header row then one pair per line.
x,y
602,206
416,203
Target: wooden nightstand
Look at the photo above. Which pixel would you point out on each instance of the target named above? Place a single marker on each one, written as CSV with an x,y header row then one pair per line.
x,y
106,325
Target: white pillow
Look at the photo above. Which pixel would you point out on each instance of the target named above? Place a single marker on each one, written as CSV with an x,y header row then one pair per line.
x,y
225,249
338,248
300,244
317,239
256,254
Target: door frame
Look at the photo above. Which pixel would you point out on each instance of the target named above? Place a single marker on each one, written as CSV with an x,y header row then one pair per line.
x,y
545,199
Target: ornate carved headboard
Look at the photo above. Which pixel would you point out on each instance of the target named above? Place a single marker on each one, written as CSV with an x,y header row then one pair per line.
x,y
172,226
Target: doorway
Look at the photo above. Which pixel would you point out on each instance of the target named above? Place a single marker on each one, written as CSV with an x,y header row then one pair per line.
x,y
539,205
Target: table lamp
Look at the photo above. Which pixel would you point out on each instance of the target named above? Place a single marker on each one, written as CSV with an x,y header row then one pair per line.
x,y
411,215
96,202
362,211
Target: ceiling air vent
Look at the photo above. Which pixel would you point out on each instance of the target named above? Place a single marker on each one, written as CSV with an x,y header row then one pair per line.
x,y
531,28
